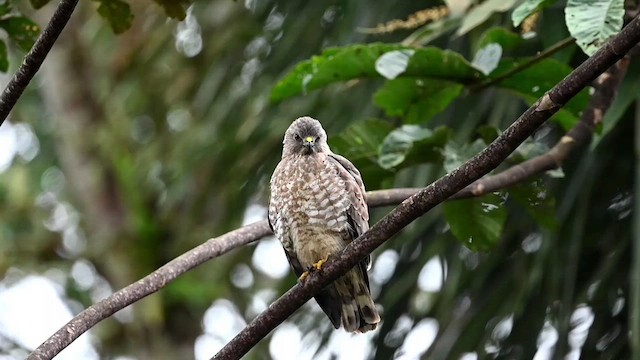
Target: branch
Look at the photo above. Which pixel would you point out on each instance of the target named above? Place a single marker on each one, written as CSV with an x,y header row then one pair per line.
x,y
35,57
211,249
435,193
526,64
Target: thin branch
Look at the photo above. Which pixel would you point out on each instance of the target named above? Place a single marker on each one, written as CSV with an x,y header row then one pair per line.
x,y
524,65
35,57
434,194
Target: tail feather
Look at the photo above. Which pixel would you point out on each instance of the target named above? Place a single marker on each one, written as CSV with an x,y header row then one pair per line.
x,y
359,313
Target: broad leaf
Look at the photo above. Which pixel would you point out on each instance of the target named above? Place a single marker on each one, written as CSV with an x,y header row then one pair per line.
x,y
593,22
456,155
416,100
411,144
487,58
359,143
477,222
117,13
507,39
537,202
531,83
358,61
21,30
527,8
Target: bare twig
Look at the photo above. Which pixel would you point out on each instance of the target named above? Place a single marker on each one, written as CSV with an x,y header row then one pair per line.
x,y
435,193
35,57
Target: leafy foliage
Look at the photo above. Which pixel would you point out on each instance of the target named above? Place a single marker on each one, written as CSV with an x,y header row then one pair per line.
x,y
117,13
478,222
592,23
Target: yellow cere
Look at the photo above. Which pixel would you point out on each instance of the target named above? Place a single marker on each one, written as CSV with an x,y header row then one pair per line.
x,y
308,139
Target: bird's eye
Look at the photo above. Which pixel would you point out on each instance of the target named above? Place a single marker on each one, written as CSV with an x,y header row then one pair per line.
x,y
317,138
298,138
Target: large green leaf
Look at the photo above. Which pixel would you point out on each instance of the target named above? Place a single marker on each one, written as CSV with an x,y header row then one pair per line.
x,y
21,30
411,144
527,8
593,22
477,222
416,100
359,143
117,13
531,83
506,38
537,202
359,61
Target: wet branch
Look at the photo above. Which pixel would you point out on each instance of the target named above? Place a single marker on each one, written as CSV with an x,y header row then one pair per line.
x,y
34,59
436,193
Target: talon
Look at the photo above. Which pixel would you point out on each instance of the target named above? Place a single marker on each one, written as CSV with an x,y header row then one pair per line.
x,y
303,276
318,265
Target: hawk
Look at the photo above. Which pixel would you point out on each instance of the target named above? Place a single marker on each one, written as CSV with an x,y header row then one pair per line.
x,y
317,207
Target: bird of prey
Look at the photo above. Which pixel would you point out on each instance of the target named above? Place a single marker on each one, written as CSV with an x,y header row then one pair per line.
x,y
317,207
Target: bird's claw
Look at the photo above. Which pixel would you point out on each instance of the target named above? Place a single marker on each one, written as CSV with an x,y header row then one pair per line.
x,y
317,266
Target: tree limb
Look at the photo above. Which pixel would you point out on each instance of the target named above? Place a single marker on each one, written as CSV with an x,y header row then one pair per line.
x,y
435,193
35,57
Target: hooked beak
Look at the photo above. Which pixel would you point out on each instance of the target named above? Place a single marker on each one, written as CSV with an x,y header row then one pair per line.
x,y
309,143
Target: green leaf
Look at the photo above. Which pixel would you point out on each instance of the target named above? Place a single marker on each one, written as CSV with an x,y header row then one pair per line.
x,y
593,22
455,155
411,144
416,100
488,133
5,7
487,58
21,30
174,8
480,13
359,143
477,222
537,202
527,8
37,4
531,83
4,57
358,61
117,13
499,35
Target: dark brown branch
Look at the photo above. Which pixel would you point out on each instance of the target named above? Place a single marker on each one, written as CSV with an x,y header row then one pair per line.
x,y
437,192
35,57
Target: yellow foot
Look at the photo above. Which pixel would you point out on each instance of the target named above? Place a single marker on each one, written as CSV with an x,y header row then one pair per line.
x,y
318,265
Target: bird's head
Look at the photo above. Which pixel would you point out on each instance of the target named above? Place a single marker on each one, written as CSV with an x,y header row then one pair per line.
x,y
305,136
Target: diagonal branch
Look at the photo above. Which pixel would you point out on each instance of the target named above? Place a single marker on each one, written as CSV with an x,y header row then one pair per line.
x,y
435,193
34,59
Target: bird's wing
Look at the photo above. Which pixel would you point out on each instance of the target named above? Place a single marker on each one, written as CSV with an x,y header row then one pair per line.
x,y
357,213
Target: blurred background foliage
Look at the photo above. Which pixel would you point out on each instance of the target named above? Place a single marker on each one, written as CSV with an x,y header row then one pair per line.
x,y
131,149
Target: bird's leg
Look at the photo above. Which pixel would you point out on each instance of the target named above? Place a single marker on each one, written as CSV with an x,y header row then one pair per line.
x,y
316,266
